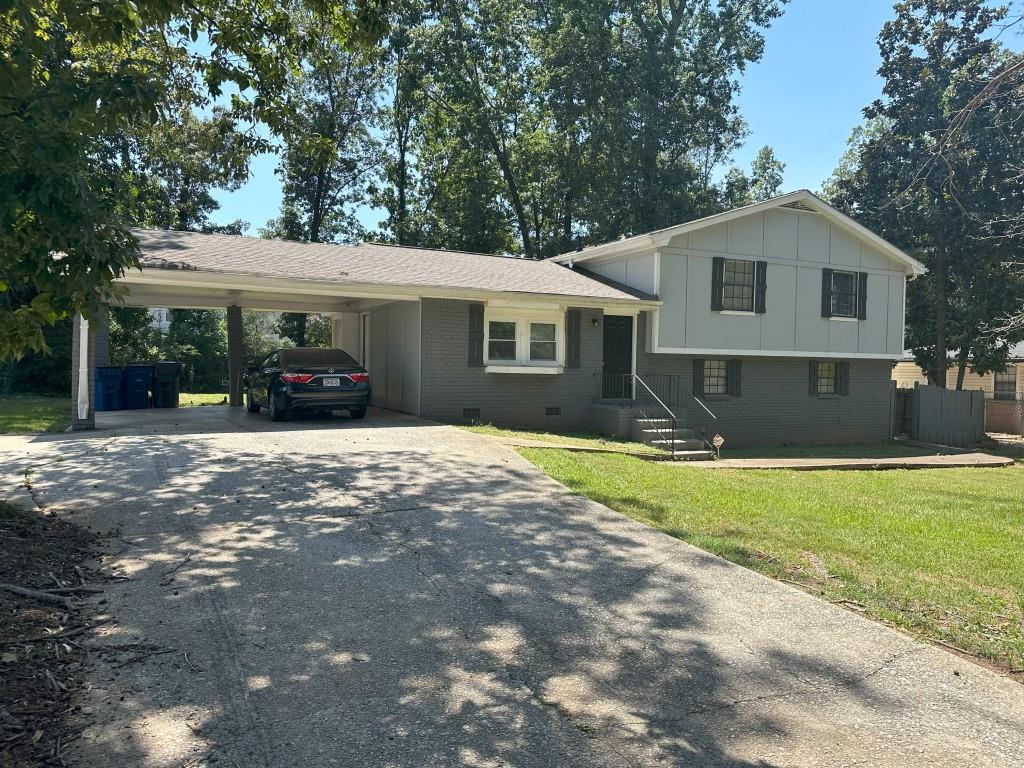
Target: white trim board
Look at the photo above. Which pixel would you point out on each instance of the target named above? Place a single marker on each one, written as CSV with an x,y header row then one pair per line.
x,y
661,238
803,354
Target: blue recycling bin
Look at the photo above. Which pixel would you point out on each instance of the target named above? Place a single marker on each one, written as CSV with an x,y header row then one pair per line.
x,y
109,393
137,379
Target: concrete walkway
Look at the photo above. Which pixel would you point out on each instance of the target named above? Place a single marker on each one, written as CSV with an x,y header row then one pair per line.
x,y
395,593
937,461
943,461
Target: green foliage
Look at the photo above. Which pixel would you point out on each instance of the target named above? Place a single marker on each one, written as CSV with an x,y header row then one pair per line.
x,y
132,337
39,372
763,183
935,199
80,83
258,335
514,126
197,338
305,330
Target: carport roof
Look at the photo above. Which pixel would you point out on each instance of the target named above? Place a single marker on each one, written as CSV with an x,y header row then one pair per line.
x,y
369,264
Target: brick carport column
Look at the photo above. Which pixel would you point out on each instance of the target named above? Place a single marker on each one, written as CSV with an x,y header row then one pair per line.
x,y
86,355
236,355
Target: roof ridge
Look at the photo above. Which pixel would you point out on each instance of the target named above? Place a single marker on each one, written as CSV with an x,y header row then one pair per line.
x,y
449,250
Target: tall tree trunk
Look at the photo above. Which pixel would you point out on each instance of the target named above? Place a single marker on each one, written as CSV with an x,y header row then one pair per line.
x,y
962,369
513,192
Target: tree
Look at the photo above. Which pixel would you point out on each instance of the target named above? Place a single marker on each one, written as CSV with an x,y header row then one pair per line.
x,y
764,181
931,52
73,75
132,336
329,150
197,338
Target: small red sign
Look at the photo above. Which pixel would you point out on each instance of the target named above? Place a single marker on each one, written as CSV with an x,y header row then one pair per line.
x,y
718,441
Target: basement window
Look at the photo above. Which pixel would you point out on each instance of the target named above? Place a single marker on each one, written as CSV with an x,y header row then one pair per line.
x,y
828,378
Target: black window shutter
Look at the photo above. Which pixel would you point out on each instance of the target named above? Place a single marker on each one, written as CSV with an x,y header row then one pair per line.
x,y
572,338
812,382
760,287
734,376
717,282
843,378
826,293
862,296
476,335
698,378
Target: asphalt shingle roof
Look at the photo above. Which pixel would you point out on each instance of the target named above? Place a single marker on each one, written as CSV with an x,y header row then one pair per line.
x,y
368,263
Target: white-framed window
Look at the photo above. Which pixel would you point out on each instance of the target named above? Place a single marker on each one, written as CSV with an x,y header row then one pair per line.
x,y
738,286
828,378
1006,384
527,338
716,377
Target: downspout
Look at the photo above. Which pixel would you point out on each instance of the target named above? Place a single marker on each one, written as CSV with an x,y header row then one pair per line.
x,y
83,368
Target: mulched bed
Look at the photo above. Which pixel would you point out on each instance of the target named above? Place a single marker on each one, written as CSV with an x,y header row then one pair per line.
x,y
41,662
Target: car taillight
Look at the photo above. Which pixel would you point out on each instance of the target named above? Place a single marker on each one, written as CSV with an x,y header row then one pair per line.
x,y
296,378
358,378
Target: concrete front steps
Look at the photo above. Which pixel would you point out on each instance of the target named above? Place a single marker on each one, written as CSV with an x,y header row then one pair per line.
x,y
658,433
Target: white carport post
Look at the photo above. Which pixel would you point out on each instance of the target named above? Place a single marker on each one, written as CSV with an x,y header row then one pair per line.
x,y
236,355
90,347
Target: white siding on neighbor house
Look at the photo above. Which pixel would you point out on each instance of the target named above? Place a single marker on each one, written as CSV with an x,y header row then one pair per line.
x,y
394,360
906,374
797,245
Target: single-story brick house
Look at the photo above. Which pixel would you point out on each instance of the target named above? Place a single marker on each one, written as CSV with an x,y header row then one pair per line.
x,y
775,322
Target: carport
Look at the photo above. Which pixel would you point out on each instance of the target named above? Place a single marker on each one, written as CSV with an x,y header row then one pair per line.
x,y
378,326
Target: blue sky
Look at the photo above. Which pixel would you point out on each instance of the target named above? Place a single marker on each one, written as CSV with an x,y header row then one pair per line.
x,y
803,98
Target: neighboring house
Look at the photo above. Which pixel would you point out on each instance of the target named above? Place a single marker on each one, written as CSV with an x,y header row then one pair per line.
x,y
1004,392
781,319
160,319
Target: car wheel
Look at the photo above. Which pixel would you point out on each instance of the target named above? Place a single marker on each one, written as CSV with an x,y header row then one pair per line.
x,y
250,402
357,413
277,411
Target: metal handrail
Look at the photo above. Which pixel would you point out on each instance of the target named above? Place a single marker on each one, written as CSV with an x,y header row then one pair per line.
x,y
703,435
701,404
671,414
658,399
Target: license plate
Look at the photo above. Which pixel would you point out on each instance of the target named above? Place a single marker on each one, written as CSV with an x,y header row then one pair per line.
x,y
332,382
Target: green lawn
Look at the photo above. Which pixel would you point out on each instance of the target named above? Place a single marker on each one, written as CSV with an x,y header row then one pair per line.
x,y
935,552
189,399
34,413
577,439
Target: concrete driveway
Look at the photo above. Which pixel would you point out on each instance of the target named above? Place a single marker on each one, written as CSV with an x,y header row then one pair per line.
x,y
396,593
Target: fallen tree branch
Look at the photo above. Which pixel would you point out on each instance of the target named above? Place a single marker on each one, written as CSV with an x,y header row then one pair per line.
x,y
35,594
188,558
72,590
142,656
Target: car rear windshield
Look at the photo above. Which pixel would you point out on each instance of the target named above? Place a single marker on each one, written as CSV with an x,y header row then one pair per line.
x,y
317,356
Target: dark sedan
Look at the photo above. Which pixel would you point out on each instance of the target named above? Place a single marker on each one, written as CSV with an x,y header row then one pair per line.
x,y
307,379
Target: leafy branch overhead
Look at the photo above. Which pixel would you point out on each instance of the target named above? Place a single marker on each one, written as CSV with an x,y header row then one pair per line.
x,y
85,89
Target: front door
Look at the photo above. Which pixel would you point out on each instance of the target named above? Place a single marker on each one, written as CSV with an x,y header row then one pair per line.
x,y
618,357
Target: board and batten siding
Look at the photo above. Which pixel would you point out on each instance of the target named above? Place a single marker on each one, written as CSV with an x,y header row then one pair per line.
x,y
797,246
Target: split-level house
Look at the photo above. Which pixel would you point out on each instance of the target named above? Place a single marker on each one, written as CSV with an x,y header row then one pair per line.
x,y
777,322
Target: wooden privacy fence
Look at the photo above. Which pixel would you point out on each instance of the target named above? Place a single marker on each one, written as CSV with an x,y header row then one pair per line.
x,y
937,415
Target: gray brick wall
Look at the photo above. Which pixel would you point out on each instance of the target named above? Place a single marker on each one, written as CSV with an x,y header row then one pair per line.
x,y
775,405
449,385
